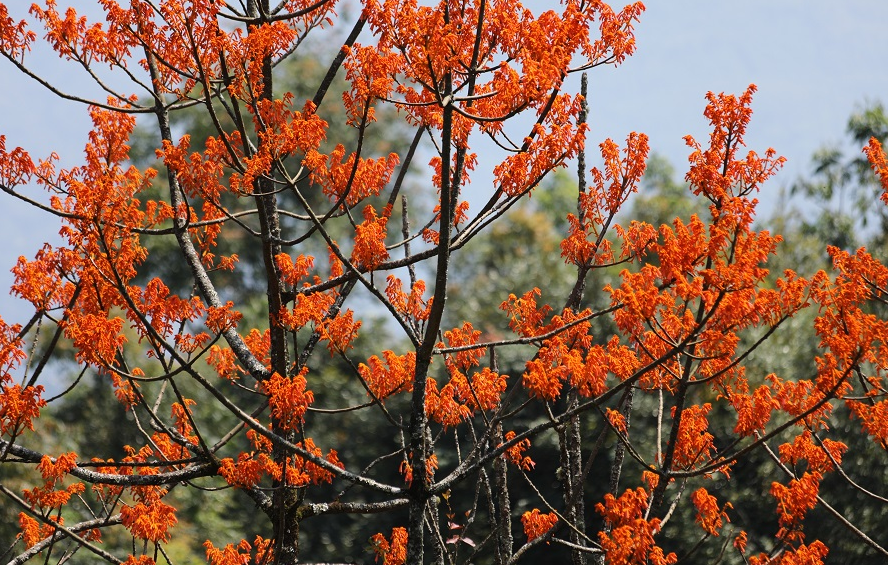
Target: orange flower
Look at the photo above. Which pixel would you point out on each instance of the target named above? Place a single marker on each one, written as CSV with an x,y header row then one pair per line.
x,y
631,538
393,377
48,496
349,181
466,335
15,38
308,308
550,148
260,551
259,344
525,318
616,420
125,389
288,398
407,470
39,281
515,454
292,273
370,251
812,554
18,407
709,516
536,524
873,416
392,552
544,376
694,442
55,470
246,472
316,473
224,361
289,132
609,190
793,502
96,338
250,468
753,411
11,354
443,406
716,171
149,522
411,305
340,332
140,560
588,374
371,72
879,163
31,532
482,392
803,447
220,319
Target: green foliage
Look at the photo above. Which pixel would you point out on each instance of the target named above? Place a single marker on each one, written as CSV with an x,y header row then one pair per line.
x,y
843,187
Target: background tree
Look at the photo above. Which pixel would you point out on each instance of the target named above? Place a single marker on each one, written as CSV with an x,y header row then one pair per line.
x,y
595,423
844,188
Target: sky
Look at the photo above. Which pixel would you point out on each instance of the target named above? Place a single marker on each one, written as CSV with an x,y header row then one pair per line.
x,y
812,60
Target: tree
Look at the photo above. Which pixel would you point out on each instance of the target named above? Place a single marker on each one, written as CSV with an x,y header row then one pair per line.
x,y
589,425
845,188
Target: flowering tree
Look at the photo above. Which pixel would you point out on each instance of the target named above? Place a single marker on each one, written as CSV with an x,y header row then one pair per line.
x,y
693,300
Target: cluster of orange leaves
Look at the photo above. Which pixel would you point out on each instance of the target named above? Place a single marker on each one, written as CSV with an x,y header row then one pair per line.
x,y
147,517
568,355
586,245
537,524
393,551
19,405
411,306
250,468
458,399
631,536
351,180
288,398
260,551
515,454
48,497
811,554
392,376
709,516
370,251
406,469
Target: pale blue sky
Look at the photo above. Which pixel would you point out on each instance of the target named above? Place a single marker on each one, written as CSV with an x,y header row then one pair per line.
x,y
812,60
